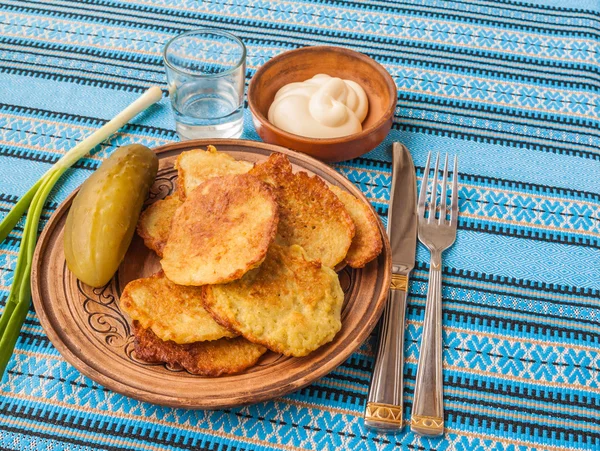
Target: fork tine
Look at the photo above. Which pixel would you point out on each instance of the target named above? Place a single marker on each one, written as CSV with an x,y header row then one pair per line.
x,y
423,192
454,200
442,220
433,199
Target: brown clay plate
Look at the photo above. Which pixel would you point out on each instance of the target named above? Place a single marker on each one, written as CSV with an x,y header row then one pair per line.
x,y
87,327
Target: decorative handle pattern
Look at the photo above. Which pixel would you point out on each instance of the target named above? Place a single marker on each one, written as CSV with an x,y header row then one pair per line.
x,y
427,416
384,410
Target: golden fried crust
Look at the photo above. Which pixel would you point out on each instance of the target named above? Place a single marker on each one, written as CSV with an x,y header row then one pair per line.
x,y
221,231
290,304
194,167
274,169
154,224
211,358
172,312
309,213
366,244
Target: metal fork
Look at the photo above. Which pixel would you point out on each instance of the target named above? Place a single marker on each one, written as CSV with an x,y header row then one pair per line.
x,y
437,235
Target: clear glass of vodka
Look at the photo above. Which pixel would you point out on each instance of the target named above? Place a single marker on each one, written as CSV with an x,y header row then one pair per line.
x,y
206,71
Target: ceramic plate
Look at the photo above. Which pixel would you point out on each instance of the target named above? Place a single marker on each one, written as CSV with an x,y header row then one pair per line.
x,y
88,328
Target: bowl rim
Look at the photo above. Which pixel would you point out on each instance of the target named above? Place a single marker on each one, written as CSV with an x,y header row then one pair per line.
x,y
324,141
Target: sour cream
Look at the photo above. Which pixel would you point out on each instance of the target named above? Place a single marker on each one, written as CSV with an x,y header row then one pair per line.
x,y
320,107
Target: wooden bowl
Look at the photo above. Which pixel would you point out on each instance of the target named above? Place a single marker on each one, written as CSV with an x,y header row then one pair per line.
x,y
302,64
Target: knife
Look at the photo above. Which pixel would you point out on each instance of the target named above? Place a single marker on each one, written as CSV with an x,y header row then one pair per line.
x,y
384,410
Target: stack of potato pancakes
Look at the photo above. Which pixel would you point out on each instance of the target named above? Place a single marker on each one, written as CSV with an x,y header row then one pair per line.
x,y
247,254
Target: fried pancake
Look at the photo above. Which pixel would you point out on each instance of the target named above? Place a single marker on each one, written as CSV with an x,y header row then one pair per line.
x,y
172,312
290,304
221,231
366,244
154,225
194,167
310,215
208,358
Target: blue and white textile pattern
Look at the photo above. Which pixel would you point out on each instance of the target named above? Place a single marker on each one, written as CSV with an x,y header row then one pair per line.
x,y
512,87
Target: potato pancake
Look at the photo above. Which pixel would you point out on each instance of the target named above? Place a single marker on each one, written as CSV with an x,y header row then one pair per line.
x,y
207,358
366,244
194,167
310,214
172,312
290,304
221,231
154,224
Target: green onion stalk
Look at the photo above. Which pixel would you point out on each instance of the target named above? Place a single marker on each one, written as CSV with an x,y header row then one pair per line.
x,y
19,297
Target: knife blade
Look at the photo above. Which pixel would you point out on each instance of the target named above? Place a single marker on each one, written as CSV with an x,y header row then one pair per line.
x,y
402,211
384,409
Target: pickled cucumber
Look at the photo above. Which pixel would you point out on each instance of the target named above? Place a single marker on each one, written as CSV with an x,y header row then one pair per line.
x,y
103,215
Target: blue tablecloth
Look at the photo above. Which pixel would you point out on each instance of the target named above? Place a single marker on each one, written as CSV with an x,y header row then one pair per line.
x,y
511,86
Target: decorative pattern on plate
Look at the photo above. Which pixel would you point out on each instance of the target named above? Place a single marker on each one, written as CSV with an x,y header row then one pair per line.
x,y
164,184
104,314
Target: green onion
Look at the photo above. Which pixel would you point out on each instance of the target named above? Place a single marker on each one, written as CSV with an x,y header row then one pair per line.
x,y
19,297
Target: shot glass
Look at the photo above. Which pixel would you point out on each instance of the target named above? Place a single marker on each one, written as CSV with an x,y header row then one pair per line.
x,y
206,73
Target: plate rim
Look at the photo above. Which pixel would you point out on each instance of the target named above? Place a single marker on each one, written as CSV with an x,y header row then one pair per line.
x,y
113,383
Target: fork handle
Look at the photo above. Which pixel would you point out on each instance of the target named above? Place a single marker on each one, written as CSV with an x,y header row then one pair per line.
x,y
384,410
427,417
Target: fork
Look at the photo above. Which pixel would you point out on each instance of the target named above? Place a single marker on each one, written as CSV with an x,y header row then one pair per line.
x,y
437,235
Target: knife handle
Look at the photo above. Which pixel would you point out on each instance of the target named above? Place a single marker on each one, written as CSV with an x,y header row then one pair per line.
x,y
384,410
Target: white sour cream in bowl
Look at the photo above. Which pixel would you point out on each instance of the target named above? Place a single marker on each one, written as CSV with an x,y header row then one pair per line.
x,y
320,107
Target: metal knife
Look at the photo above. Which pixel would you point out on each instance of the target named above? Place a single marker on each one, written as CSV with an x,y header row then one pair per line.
x,y
384,410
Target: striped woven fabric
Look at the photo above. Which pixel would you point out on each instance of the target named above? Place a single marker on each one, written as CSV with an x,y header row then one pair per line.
x,y
511,86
